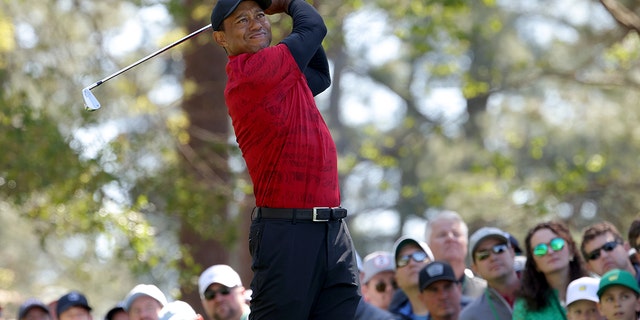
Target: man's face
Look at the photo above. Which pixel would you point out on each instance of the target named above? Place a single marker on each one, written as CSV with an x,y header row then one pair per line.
x,y
246,30
75,313
637,242
144,308
608,260
583,310
120,315
226,304
619,302
491,265
36,314
407,276
379,289
442,299
447,241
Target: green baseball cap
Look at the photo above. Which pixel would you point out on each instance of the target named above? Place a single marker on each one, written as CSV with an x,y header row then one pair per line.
x,y
620,278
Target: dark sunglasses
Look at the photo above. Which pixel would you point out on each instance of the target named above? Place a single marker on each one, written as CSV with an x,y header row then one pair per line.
x,y
556,244
210,294
497,249
418,256
608,247
381,286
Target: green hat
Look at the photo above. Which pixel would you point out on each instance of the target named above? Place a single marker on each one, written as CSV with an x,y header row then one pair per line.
x,y
618,277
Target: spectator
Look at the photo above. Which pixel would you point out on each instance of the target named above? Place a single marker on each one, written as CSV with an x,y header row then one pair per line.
x,y
618,292
144,302
178,310
634,241
553,261
378,279
440,291
604,249
73,306
582,299
117,312
492,257
222,294
33,309
447,236
410,257
365,310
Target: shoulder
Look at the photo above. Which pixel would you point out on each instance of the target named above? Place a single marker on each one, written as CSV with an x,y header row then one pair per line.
x,y
472,285
473,308
371,312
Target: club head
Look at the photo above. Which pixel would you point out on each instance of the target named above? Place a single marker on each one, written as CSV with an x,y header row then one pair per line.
x,y
90,101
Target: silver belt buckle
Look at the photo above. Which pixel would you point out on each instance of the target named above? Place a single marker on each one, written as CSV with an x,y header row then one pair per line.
x,y
315,214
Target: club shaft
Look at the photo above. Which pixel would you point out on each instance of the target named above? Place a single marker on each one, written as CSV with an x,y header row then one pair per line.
x,y
150,56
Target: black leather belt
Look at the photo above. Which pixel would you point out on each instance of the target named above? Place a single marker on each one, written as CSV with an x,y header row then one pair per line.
x,y
316,214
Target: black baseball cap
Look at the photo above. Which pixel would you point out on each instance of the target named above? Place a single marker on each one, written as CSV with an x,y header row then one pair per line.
x,y
115,309
435,271
225,8
72,299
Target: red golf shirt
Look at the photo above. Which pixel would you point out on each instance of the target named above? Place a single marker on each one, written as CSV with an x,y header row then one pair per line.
x,y
286,144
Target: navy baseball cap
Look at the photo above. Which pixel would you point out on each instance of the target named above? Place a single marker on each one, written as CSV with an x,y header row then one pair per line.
x,y
72,299
225,8
435,271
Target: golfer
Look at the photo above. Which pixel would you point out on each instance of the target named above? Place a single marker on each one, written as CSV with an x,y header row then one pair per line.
x,y
303,258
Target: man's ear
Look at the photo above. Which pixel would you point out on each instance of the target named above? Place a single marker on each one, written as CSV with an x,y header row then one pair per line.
x,y
219,38
588,267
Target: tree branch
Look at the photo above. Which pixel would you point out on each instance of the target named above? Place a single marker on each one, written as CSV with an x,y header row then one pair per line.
x,y
622,14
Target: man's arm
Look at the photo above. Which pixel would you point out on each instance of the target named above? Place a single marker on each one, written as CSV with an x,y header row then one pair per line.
x,y
305,44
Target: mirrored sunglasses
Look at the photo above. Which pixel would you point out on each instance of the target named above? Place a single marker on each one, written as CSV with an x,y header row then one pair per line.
x,y
556,244
497,249
418,256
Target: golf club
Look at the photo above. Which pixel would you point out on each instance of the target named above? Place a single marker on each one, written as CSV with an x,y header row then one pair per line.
x,y
90,101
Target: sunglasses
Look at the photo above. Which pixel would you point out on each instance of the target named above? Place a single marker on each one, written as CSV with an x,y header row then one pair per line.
x,y
418,256
556,244
382,286
608,247
497,249
211,294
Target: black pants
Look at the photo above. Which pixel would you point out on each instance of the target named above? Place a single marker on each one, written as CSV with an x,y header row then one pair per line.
x,y
302,270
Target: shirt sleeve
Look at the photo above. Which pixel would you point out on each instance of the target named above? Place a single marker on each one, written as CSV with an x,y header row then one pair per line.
x,y
305,45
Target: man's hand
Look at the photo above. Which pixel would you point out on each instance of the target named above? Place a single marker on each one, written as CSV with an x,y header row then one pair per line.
x,y
278,6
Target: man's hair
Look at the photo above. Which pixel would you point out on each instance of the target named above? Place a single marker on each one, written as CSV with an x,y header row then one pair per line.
x,y
445,215
597,229
634,233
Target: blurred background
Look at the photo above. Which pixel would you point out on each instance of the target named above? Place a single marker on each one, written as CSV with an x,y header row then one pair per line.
x,y
508,112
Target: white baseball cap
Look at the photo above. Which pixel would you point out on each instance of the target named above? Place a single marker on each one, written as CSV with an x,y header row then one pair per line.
x,y
219,273
400,243
144,290
585,288
177,310
375,263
